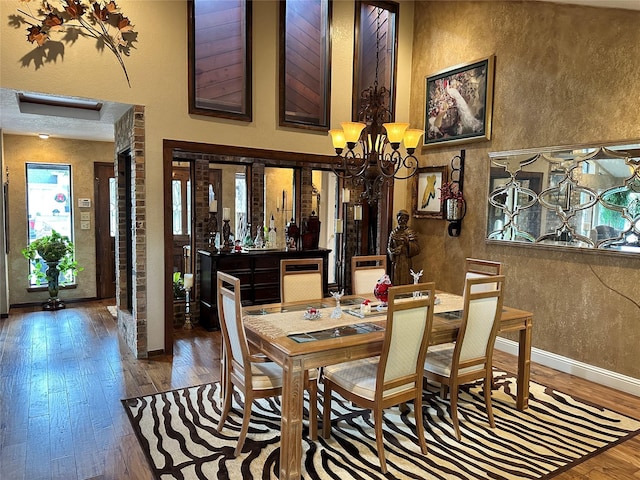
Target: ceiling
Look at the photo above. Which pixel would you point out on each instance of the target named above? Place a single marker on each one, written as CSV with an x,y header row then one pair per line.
x,y
58,121
71,123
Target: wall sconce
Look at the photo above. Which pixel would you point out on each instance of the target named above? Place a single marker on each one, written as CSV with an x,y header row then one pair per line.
x,y
456,208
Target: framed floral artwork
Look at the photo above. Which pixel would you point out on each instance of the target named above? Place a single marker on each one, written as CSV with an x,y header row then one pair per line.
x,y
426,192
459,104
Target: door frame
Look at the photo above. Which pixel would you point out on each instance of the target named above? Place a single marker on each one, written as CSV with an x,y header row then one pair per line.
x,y
99,224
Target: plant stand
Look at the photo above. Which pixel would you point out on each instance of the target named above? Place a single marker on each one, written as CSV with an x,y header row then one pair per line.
x,y
53,276
53,304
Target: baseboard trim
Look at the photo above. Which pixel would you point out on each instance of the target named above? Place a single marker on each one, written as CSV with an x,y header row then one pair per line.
x,y
579,369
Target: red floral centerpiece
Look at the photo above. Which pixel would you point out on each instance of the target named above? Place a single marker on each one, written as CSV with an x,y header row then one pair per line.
x,y
381,290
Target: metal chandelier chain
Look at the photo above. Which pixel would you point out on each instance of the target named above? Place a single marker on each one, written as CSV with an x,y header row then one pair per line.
x,y
373,165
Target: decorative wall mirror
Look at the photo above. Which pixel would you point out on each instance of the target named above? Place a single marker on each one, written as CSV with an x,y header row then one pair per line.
x,y
279,201
585,196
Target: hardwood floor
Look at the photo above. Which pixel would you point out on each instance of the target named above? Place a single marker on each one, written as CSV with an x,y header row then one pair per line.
x,y
63,374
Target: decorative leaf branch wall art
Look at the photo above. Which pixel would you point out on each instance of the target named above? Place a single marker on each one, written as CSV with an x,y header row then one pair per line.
x,y
72,19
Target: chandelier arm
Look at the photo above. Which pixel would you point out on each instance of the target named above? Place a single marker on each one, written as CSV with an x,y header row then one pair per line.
x,y
410,163
356,164
389,163
349,165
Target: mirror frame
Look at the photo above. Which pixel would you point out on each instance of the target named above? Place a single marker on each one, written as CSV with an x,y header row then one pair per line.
x,y
255,159
566,198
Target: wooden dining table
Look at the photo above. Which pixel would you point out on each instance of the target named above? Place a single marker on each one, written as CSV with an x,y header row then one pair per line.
x,y
281,332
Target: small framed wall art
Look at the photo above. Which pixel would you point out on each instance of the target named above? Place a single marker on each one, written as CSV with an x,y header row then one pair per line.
x,y
426,192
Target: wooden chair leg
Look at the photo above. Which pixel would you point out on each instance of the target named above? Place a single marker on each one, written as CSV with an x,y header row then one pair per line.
x,y
454,408
226,403
417,413
444,389
246,416
487,399
377,419
326,410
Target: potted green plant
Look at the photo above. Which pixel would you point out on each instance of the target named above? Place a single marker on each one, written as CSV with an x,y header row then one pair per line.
x,y
56,252
178,286
179,299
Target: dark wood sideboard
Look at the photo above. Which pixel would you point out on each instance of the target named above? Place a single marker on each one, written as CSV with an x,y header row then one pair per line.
x,y
259,274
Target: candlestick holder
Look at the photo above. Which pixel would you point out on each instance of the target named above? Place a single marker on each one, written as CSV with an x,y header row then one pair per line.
x,y
339,261
226,234
187,310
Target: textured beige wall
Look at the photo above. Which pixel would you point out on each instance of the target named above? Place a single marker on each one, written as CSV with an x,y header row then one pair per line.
x,y
564,74
81,155
4,287
158,71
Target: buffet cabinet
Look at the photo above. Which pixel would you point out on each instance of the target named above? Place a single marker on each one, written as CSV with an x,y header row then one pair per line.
x,y
259,274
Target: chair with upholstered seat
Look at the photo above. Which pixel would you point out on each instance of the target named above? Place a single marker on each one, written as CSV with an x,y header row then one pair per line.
x,y
254,376
366,270
301,279
470,357
394,377
476,268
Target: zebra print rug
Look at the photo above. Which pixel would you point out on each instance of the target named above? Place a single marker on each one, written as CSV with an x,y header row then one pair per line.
x,y
177,431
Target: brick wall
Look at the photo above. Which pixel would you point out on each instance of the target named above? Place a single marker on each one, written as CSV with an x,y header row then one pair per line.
x,y
132,319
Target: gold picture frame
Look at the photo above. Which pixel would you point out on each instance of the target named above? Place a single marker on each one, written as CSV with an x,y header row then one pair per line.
x,y
425,192
459,104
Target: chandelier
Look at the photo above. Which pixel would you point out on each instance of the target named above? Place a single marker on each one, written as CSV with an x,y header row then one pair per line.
x,y
373,156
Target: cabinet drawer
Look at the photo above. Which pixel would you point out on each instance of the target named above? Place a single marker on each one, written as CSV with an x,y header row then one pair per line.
x,y
244,277
267,262
231,263
266,276
266,293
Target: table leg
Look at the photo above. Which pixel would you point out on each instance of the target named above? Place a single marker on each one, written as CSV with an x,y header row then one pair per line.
x,y
524,365
291,422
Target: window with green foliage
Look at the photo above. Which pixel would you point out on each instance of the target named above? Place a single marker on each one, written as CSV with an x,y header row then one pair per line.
x,y
49,205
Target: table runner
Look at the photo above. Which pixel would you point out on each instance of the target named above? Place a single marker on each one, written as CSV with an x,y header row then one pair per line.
x,y
281,324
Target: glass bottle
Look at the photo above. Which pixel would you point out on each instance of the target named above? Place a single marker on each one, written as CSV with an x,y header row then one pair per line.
x,y
248,241
259,241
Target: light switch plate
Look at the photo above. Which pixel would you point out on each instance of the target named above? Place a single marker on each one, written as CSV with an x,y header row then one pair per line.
x,y
85,225
85,216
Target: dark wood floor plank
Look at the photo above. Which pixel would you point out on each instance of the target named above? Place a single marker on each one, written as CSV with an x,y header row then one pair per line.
x,y
67,372
64,468
60,427
38,448
13,459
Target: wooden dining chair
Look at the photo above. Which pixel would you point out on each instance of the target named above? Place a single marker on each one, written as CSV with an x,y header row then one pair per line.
x,y
470,357
254,376
394,377
301,279
477,268
365,272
